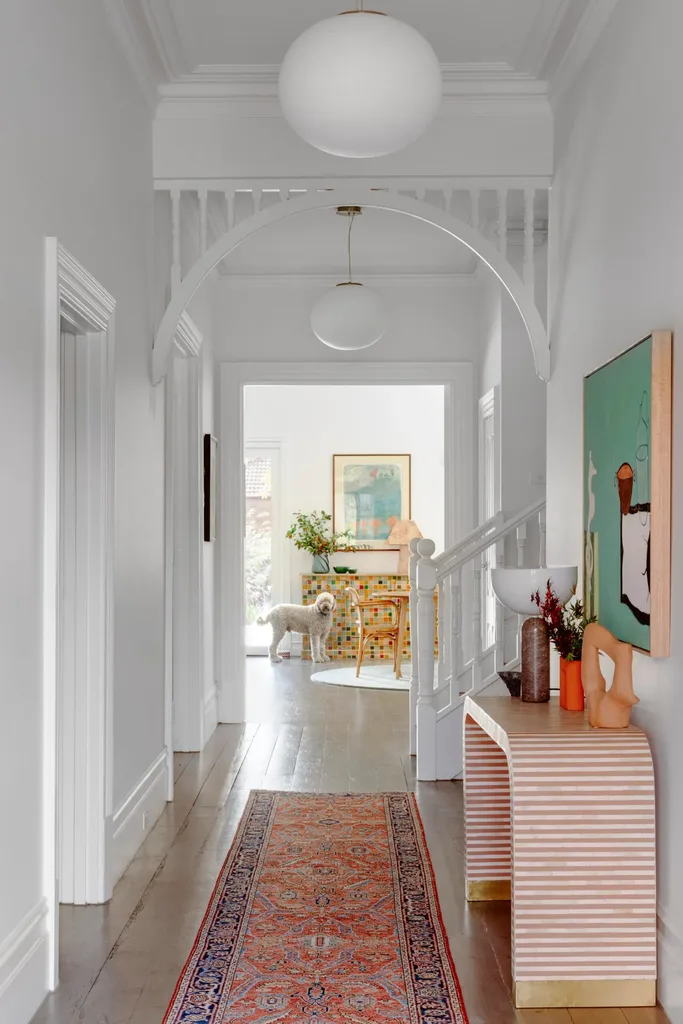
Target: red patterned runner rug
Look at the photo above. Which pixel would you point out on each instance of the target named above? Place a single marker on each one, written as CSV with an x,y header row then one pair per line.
x,y
325,910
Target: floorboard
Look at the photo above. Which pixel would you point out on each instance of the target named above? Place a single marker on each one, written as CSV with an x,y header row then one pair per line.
x,y
120,962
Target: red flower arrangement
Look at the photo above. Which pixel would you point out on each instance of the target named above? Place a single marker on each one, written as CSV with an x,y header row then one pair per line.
x,y
565,623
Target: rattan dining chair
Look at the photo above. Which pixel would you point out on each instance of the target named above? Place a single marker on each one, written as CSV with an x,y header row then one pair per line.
x,y
378,631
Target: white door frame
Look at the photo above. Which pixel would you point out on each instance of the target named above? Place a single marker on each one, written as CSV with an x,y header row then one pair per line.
x,y
280,574
72,294
183,648
459,462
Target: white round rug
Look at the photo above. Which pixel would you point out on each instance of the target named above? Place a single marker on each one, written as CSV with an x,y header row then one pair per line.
x,y
374,677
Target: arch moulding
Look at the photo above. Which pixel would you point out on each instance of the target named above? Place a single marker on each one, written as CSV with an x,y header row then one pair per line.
x,y
457,229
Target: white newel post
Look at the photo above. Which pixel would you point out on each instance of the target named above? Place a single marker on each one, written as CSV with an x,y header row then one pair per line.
x,y
426,708
414,676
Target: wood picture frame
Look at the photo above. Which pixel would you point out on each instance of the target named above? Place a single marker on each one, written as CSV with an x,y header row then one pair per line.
x,y
627,473
210,462
369,493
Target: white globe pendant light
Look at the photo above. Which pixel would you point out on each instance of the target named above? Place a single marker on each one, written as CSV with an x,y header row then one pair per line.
x,y
349,316
360,84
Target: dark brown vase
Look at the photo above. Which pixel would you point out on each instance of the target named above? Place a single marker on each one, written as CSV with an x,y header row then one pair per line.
x,y
535,661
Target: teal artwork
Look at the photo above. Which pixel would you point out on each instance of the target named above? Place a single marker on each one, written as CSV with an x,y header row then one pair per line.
x,y
371,494
624,466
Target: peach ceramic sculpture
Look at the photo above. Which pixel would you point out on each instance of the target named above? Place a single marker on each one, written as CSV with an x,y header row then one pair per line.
x,y
607,709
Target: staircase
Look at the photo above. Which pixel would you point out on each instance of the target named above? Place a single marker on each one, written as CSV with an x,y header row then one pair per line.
x,y
477,637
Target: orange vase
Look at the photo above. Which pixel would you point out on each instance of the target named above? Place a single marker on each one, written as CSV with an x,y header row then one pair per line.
x,y
571,687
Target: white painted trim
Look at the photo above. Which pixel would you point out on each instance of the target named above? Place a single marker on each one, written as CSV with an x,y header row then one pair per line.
x,y
211,711
588,31
251,91
143,60
24,967
164,31
70,291
187,343
136,816
459,418
188,338
457,229
545,29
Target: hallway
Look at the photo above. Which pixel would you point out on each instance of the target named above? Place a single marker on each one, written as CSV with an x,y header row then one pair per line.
x,y
120,963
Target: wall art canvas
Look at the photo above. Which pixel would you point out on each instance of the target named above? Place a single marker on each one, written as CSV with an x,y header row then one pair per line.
x,y
210,450
627,494
370,493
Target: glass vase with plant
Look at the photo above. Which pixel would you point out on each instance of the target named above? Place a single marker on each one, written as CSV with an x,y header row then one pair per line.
x,y
311,532
566,625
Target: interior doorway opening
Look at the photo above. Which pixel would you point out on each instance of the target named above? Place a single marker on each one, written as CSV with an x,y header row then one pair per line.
x,y
328,448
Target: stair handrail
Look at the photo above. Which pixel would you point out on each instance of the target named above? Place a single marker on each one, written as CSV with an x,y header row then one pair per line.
x,y
483,537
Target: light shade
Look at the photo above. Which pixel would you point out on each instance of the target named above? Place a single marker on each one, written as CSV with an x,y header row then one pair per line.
x,y
349,317
360,84
514,587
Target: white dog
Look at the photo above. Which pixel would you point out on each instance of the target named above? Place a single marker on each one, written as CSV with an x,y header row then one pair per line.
x,y
314,619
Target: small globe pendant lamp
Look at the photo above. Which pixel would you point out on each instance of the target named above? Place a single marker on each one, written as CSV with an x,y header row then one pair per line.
x,y
349,316
360,84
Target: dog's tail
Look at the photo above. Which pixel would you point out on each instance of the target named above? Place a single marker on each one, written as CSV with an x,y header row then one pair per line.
x,y
263,620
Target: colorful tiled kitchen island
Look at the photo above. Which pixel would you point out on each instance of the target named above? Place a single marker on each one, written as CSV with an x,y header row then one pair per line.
x,y
343,639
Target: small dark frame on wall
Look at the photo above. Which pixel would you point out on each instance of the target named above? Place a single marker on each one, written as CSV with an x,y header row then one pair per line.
x,y
210,450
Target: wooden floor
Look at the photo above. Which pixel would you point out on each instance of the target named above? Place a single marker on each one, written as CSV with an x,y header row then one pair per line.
x,y
120,963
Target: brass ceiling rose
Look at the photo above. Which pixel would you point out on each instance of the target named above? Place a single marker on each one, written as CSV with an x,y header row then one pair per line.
x,y
349,211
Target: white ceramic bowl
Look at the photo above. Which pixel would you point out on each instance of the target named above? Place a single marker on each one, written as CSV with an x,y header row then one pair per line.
x,y
514,587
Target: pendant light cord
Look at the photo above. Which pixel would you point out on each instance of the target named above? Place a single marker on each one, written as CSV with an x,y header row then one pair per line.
x,y
351,220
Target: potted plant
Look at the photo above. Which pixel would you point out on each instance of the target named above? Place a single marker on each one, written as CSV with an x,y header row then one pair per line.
x,y
566,625
311,532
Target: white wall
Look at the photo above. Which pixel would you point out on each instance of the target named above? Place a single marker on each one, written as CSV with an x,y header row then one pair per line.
x,y
314,423
261,323
616,271
77,163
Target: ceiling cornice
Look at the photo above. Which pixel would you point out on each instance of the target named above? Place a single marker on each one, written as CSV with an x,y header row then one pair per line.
x,y
250,90
132,32
164,32
595,16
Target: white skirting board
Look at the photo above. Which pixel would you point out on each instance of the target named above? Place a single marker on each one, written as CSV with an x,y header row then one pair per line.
x,y
210,714
132,822
24,967
670,969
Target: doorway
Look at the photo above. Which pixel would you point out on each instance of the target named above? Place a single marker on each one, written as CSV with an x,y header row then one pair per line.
x,y
263,542
78,588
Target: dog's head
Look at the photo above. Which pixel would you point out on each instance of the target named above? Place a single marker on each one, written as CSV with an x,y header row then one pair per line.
x,y
325,603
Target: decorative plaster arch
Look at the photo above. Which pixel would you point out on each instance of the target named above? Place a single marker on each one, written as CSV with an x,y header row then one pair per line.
x,y
454,227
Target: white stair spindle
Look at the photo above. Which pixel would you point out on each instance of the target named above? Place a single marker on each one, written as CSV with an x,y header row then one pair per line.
x,y
456,619
426,709
256,198
521,544
176,270
529,264
203,219
541,532
499,652
443,647
414,676
476,619
230,209
448,199
502,221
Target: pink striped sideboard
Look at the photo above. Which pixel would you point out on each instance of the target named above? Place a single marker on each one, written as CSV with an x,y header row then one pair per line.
x,y
560,819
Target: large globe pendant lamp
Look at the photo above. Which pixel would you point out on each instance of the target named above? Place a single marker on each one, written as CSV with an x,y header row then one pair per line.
x,y
349,316
360,84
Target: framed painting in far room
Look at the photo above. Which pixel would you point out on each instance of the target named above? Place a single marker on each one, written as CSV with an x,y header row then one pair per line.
x,y
627,494
369,494
210,449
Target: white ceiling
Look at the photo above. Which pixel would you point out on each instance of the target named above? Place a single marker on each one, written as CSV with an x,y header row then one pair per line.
x,y
496,34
